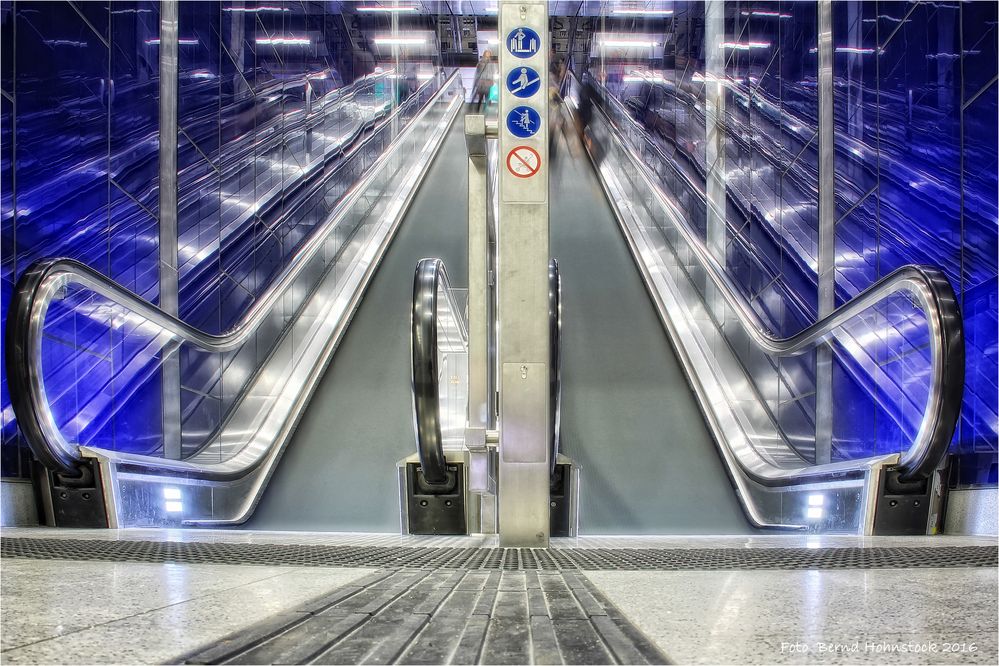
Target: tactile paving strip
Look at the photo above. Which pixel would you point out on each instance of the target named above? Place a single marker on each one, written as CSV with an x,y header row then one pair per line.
x,y
445,617
507,559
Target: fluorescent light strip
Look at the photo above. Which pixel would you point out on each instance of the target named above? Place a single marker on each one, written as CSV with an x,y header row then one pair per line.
x,y
182,41
387,9
626,44
399,41
643,12
284,41
764,13
744,46
255,10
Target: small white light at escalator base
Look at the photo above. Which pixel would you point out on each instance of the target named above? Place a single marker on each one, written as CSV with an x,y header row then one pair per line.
x,y
174,507
171,493
814,512
816,500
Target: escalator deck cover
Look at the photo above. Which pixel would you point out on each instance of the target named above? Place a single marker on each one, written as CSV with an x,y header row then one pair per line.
x,y
508,559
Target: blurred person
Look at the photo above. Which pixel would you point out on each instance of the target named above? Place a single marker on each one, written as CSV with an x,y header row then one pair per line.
x,y
485,76
556,118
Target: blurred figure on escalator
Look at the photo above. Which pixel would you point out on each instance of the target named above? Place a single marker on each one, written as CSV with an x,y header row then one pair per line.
x,y
485,75
588,96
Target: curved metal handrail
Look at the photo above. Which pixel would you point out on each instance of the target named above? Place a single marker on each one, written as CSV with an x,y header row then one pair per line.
x,y
555,357
45,279
431,279
927,284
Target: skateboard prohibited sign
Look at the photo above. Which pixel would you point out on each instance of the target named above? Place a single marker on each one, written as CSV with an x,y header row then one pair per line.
x,y
523,161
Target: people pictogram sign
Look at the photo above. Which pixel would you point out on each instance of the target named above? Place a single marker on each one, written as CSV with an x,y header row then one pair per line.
x,y
523,82
523,161
523,122
523,42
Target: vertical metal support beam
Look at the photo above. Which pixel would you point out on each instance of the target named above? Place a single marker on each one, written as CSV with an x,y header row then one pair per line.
x,y
522,280
168,236
481,475
827,234
714,132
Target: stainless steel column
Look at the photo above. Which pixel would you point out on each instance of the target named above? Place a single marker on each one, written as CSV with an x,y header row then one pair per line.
x,y
827,234
716,208
168,234
522,279
481,475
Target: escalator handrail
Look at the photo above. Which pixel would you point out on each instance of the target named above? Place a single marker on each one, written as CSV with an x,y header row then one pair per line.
x,y
431,279
555,358
927,284
46,278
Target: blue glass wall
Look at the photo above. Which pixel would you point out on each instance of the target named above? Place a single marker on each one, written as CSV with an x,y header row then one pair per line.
x,y
915,182
79,177
79,146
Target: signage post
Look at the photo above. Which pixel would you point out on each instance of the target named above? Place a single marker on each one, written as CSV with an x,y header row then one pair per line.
x,y
522,275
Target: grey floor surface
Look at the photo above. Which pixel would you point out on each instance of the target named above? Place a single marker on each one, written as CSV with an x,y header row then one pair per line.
x,y
88,611
649,464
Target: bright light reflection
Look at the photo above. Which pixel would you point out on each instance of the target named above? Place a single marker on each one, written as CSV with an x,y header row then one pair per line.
x,y
627,43
744,46
387,9
399,41
643,12
174,507
182,41
285,41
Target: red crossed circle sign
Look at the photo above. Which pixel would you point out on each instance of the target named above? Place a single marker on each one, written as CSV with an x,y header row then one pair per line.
x,y
523,161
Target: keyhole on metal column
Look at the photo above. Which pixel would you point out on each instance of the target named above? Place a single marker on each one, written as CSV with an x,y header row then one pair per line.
x,y
523,372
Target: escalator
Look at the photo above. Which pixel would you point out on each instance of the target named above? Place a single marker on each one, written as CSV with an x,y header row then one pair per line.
x,y
337,471
649,464
271,359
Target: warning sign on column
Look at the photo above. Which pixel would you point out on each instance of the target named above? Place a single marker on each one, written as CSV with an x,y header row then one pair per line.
x,y
523,161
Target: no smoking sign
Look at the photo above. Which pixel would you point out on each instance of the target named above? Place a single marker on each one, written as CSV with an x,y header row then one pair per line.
x,y
523,161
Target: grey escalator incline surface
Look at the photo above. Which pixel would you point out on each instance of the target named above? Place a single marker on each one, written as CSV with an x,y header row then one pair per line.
x,y
338,472
629,418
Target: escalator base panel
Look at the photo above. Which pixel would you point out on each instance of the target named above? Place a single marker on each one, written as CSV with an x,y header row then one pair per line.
x,y
445,617
508,559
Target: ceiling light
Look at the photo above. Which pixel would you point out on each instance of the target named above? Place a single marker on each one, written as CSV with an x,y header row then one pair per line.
x,y
627,43
744,46
387,9
182,41
643,12
399,41
284,41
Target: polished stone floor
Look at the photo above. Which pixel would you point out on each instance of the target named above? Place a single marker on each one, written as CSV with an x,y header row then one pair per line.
x,y
113,612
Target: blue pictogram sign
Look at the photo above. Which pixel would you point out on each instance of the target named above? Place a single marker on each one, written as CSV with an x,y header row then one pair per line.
x,y
523,121
523,82
523,42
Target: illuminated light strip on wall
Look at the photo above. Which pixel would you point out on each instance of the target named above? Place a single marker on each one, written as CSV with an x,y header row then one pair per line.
x,y
744,46
850,49
626,44
765,14
643,12
399,41
285,41
639,77
387,9
255,10
183,42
